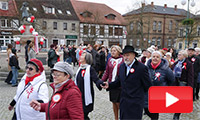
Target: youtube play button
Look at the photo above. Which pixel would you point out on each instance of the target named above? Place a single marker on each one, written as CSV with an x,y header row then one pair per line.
x,y
173,99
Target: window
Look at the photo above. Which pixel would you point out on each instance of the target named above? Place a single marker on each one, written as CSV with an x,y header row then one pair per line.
x,y
181,32
118,31
101,30
110,16
49,10
138,26
158,42
159,26
5,23
170,25
153,41
198,31
169,42
64,26
55,25
86,14
85,30
180,45
15,23
44,25
68,12
110,31
194,44
154,26
35,9
138,42
4,5
59,11
93,30
131,26
73,26
131,42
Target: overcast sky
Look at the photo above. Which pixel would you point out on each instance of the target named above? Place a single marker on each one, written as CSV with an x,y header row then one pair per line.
x,y
123,6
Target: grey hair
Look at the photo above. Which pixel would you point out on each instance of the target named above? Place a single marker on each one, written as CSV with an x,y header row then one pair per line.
x,y
184,53
158,52
88,58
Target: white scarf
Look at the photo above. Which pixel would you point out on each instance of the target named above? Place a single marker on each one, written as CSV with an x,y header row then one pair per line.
x,y
87,87
115,63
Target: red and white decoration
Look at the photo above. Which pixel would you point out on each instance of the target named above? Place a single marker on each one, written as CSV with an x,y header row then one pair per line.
x,y
31,19
22,29
41,40
83,73
157,76
132,70
31,29
56,98
193,60
17,40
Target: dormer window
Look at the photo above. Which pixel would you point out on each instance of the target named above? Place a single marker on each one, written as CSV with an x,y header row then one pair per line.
x,y
68,12
4,5
86,14
110,16
59,11
49,10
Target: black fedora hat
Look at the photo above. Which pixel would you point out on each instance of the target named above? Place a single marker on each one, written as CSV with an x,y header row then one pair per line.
x,y
129,49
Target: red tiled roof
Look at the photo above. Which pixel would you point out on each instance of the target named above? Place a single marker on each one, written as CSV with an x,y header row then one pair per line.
x,y
12,10
99,12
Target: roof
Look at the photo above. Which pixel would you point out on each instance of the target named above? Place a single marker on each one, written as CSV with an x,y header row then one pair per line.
x,y
159,10
63,5
99,12
12,10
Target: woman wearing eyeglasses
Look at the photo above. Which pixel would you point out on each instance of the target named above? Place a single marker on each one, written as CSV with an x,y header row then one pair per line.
x,y
32,86
66,101
84,79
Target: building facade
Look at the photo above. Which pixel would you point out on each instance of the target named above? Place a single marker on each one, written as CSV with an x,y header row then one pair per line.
x,y
9,23
153,25
100,24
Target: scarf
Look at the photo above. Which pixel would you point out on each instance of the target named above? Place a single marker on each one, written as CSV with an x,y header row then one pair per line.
x,y
59,85
115,63
87,87
178,69
155,66
29,79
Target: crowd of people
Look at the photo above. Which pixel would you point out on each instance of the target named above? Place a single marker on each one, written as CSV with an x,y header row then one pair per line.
x,y
116,70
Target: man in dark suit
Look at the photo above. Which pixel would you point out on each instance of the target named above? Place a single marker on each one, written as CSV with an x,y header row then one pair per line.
x,y
134,81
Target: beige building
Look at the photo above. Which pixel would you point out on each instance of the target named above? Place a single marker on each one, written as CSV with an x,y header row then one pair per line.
x,y
153,25
193,34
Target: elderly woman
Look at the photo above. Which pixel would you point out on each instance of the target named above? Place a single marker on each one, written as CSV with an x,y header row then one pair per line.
x,y
31,52
112,70
66,102
32,86
84,79
160,74
183,71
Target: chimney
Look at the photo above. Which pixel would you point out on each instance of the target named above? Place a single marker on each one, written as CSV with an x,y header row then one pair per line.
x,y
143,4
152,4
175,7
165,5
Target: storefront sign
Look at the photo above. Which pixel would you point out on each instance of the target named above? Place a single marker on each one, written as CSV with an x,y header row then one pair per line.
x,y
71,37
6,33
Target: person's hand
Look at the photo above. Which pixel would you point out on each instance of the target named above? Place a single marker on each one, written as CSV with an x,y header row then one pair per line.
x,y
35,105
10,107
105,85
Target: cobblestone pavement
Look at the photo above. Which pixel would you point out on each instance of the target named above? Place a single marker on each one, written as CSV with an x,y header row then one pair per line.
x,y
102,109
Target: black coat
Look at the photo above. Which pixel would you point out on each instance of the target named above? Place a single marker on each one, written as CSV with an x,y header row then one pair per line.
x,y
14,62
102,61
166,77
196,65
187,74
96,59
133,88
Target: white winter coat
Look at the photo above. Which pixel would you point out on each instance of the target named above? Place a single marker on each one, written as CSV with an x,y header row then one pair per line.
x,y
37,90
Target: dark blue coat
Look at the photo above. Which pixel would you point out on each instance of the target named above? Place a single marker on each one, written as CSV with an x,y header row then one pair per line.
x,y
166,77
133,88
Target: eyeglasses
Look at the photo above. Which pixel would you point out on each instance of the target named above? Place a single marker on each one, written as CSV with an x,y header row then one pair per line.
x,y
56,75
29,68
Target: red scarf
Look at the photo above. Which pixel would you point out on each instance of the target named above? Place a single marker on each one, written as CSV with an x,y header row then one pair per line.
x,y
29,79
155,66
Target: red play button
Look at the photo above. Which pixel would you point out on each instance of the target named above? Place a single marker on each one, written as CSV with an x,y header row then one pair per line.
x,y
175,99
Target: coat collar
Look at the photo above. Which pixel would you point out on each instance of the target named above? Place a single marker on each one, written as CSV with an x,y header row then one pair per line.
x,y
134,66
67,85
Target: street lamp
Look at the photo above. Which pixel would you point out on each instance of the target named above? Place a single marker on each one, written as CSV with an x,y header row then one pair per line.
x,y
183,2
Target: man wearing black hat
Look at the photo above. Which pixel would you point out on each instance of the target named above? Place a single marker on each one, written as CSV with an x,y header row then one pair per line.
x,y
134,81
196,66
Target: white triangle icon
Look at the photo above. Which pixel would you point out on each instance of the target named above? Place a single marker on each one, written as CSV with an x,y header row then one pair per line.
x,y
170,99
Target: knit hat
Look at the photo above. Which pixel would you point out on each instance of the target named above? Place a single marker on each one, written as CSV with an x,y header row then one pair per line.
x,y
168,53
64,67
37,63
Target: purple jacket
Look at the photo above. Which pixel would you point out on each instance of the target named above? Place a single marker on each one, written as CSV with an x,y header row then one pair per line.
x,y
109,69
